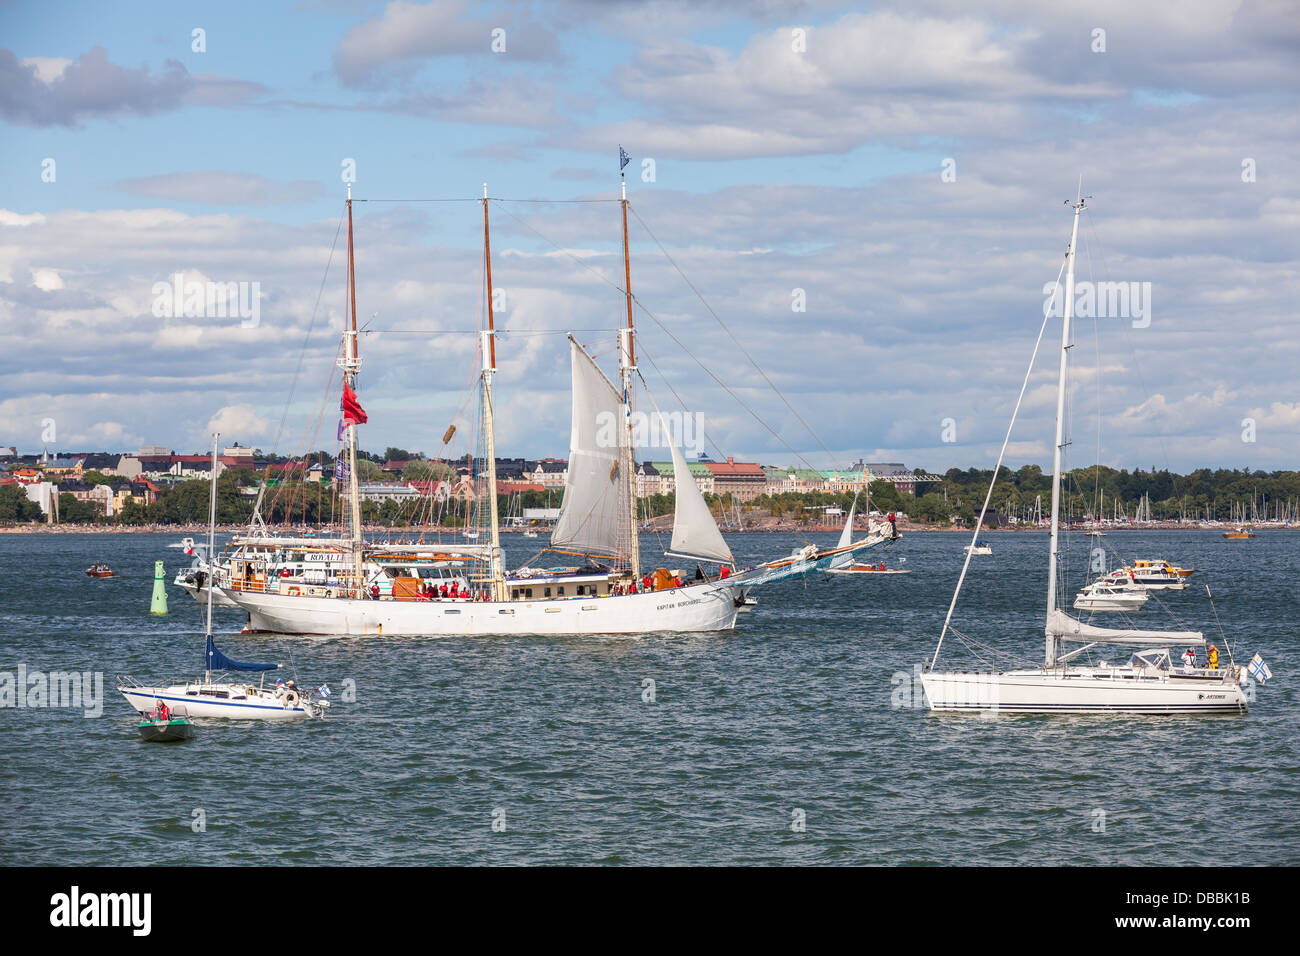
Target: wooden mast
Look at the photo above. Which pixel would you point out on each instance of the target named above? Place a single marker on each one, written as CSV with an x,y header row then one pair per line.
x,y
351,365
496,572
627,365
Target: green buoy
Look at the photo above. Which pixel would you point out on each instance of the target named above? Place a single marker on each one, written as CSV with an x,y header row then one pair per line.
x,y
159,603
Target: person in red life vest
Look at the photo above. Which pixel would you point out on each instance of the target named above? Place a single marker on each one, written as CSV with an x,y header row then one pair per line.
x,y
160,711
724,573
893,524
374,591
645,584
455,590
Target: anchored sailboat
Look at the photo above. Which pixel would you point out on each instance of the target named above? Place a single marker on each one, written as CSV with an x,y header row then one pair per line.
x,y
1148,683
212,696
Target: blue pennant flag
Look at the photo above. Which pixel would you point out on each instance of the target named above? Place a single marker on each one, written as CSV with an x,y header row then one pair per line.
x,y
623,159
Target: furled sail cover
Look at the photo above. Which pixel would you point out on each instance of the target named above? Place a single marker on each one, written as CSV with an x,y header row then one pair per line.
x,y
595,510
217,661
1061,625
695,533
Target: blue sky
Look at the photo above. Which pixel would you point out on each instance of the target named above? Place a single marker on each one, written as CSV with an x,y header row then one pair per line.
x,y
777,168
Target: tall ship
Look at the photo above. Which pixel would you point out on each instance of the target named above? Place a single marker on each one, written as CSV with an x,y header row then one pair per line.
x,y
346,585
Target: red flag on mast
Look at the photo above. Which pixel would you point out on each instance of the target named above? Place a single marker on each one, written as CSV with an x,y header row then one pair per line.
x,y
353,413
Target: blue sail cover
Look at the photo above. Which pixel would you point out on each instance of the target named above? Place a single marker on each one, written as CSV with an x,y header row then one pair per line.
x,y
218,661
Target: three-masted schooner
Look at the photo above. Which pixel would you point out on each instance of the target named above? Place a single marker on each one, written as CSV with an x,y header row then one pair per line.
x,y
609,593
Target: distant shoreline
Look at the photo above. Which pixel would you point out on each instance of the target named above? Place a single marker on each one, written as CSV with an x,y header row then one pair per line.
x,y
199,530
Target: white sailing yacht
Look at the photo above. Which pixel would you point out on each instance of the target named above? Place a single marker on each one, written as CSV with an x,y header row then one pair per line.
x,y
1146,683
215,695
608,593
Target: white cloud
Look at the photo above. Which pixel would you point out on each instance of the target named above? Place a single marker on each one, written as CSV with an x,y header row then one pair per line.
x,y
47,280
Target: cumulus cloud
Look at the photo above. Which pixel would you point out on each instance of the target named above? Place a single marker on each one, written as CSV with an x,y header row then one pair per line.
x,y
41,91
222,188
240,420
407,33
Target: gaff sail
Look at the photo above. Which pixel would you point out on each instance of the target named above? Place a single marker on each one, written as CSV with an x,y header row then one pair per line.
x,y
595,509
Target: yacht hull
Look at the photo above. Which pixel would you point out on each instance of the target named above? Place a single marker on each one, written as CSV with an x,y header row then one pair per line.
x,y
701,607
253,707
1090,690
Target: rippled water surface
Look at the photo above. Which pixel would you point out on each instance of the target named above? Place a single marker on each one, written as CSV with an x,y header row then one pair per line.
x,y
796,710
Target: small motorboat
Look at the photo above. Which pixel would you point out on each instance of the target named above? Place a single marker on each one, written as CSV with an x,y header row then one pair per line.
x,y
1151,578
175,726
1165,566
979,547
1104,595
1239,533
99,570
746,604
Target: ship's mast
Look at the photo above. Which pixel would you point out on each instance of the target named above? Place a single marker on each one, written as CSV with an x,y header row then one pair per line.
x,y
627,365
1059,446
489,349
212,544
351,365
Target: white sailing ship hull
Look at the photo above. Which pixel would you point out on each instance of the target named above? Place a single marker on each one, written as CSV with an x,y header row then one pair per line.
x,y
1084,690
200,594
701,607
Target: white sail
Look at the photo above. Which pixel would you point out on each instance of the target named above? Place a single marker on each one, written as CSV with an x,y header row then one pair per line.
x,y
846,538
594,511
695,533
1063,627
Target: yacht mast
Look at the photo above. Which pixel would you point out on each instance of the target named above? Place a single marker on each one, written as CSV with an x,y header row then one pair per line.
x,y
1060,433
351,365
212,539
489,350
627,365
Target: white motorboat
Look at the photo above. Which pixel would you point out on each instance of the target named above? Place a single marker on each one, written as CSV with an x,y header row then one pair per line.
x,y
979,547
1150,578
1144,683
1105,596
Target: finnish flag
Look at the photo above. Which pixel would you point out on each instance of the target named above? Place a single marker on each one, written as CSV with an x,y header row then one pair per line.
x,y
1259,670
324,691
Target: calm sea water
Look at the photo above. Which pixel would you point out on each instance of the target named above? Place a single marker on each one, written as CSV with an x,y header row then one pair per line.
x,y
791,716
